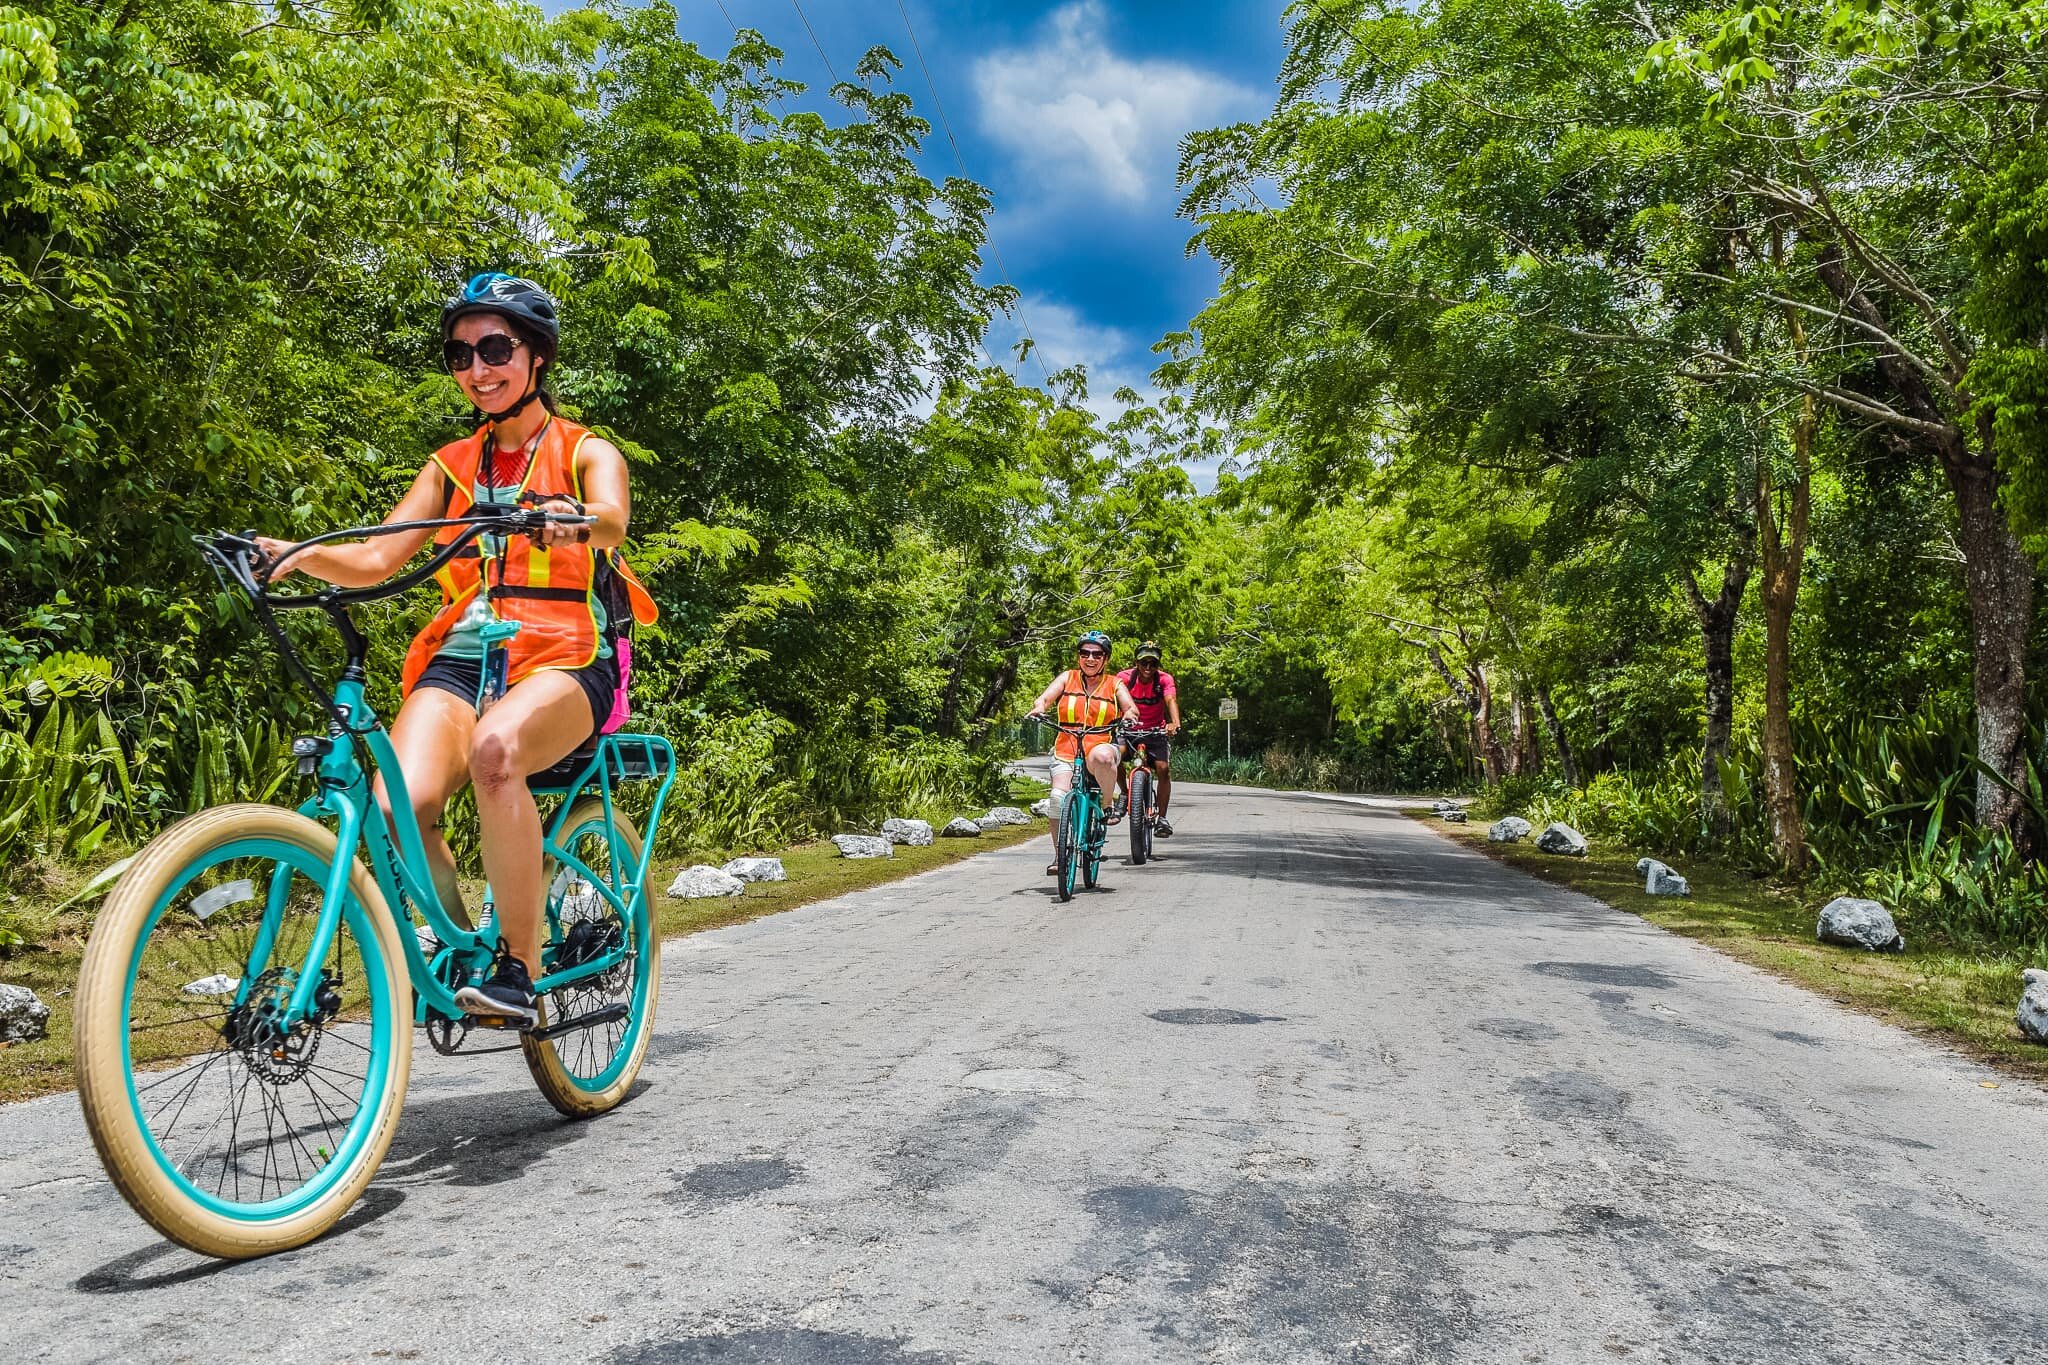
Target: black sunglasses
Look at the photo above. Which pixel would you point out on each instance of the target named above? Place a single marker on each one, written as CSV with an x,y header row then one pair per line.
x,y
495,349
1093,654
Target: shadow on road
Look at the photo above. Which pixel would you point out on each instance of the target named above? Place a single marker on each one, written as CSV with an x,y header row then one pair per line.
x,y
125,1274
483,1139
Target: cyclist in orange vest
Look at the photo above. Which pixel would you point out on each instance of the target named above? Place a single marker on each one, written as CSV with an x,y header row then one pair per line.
x,y
567,586
1086,694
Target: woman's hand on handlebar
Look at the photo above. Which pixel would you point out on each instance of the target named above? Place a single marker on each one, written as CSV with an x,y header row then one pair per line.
x,y
554,533
275,567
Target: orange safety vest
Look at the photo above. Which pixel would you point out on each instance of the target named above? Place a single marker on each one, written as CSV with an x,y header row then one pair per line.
x,y
1081,704
549,591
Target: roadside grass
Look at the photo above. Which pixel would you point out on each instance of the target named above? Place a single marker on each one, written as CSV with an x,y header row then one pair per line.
x,y
1964,999
816,872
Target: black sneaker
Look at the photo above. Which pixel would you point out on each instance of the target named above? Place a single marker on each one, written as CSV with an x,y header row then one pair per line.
x,y
507,995
1161,828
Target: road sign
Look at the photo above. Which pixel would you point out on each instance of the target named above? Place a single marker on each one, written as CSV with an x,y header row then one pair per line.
x,y
1228,710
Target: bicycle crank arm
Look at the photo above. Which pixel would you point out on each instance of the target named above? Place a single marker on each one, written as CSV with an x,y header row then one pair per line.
x,y
589,1019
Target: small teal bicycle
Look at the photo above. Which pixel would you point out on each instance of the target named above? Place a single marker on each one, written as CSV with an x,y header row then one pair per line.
x,y
248,996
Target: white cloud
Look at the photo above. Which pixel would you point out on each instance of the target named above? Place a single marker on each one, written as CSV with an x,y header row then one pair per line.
x,y
1089,123
1114,357
1062,337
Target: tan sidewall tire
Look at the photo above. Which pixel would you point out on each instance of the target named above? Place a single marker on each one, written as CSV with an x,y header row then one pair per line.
x,y
100,1044
548,1073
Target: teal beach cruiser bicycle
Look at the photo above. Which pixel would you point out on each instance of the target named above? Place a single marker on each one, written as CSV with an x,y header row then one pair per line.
x,y
248,997
1083,827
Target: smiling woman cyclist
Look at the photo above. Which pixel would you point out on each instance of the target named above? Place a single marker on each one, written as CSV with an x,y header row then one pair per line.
x,y
1086,694
566,586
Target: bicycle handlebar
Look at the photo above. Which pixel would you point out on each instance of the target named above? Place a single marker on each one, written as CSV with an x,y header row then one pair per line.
x,y
247,566
1065,728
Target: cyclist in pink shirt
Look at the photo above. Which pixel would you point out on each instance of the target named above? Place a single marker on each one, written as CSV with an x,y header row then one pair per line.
x,y
1151,687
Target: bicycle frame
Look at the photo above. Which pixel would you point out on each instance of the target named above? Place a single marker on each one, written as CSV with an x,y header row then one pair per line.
x,y
398,862
398,857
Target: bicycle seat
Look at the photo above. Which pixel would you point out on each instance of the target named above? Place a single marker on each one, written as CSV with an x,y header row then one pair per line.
x,y
626,759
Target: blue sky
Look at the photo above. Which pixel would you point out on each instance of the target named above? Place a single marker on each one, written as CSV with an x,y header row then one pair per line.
x,y
1072,115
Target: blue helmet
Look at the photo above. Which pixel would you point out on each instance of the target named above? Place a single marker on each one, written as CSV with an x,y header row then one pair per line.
x,y
1094,637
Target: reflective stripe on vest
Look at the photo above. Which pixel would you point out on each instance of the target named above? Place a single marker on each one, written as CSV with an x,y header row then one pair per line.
x,y
548,591
1100,709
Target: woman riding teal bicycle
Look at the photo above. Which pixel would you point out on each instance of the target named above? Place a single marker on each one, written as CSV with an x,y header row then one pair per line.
x,y
564,587
1087,695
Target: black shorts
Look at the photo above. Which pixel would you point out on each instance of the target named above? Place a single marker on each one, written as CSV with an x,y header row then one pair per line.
x,y
464,677
1158,748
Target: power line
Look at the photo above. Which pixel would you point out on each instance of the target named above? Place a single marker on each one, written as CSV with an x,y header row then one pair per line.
x,y
734,25
993,250
814,40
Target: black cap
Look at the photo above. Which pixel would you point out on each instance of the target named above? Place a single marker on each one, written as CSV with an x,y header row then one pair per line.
x,y
1148,650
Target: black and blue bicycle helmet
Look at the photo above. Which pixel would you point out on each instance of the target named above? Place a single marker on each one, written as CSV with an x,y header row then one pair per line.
x,y
1093,637
522,301
528,307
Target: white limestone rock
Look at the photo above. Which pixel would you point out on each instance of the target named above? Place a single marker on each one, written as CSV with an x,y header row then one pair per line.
x,y
960,827
23,1017
1509,829
756,870
1453,815
2033,1014
1660,880
863,846
916,833
1563,840
704,880
1856,923
209,987
1008,815
1042,808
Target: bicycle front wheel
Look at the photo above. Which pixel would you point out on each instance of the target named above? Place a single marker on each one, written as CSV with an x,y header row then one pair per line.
x,y
231,1131
1073,821
1139,817
591,1069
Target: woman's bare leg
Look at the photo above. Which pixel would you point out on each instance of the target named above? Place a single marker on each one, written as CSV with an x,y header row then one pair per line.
x,y
534,726
1102,762
432,735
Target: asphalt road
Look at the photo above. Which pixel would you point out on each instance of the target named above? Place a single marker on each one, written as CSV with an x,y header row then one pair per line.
x,y
1316,1086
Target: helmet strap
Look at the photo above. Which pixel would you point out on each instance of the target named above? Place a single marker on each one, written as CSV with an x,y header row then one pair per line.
x,y
509,413
532,392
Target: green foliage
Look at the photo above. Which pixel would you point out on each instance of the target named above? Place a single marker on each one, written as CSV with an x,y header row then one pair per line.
x,y
222,247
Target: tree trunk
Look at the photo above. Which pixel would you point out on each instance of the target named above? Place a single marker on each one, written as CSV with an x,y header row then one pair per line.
x,y
2000,576
1565,761
1477,696
1717,636
1016,621
1528,756
949,700
1782,547
1997,569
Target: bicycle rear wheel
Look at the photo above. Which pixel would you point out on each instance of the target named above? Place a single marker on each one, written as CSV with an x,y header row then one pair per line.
x,y
590,1070
230,1133
1141,825
1098,835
